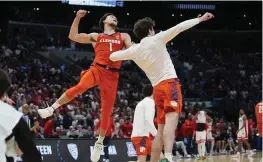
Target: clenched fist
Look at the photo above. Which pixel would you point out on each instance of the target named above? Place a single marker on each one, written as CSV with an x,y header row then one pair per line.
x,y
81,13
206,16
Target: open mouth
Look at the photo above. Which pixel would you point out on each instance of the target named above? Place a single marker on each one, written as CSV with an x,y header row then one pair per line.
x,y
115,21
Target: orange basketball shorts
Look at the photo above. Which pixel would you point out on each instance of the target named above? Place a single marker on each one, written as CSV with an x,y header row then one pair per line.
x,y
143,145
168,98
108,82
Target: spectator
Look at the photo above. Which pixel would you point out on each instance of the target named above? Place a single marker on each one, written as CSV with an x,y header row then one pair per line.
x,y
49,127
67,120
89,121
126,127
90,133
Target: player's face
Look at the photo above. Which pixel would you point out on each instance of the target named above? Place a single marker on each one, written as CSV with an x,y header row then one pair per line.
x,y
111,20
241,112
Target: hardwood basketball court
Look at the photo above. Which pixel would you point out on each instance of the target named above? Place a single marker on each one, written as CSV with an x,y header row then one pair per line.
x,y
226,158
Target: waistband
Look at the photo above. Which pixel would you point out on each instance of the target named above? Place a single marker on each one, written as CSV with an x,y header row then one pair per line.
x,y
107,67
173,80
140,137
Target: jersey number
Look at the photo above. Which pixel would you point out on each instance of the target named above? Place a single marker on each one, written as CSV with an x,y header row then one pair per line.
x,y
260,109
110,46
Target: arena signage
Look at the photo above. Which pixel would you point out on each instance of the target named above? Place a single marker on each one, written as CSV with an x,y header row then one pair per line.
x,y
66,150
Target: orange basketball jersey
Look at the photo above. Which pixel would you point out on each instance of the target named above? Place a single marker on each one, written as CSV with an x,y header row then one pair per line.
x,y
105,46
259,112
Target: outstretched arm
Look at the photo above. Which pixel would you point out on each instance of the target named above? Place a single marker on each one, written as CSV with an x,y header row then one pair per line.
x,y
169,34
127,54
74,34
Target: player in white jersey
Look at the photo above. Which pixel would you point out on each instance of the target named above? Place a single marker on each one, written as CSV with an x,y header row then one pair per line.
x,y
200,132
143,125
13,129
153,58
242,134
210,138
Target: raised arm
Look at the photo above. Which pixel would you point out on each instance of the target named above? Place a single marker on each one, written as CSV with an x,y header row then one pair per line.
x,y
74,34
169,34
127,40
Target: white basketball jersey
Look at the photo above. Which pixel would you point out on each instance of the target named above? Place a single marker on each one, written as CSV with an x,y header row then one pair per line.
x,y
241,122
201,117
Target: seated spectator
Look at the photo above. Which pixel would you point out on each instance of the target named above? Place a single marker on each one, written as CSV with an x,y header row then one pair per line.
x,y
49,128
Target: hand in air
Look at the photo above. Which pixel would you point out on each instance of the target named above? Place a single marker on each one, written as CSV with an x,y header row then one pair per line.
x,y
206,16
81,13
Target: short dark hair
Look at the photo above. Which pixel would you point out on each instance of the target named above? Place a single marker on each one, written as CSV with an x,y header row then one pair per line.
x,y
147,90
5,82
101,22
142,27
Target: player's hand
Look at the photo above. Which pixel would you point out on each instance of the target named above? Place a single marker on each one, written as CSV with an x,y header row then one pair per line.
x,y
205,17
81,13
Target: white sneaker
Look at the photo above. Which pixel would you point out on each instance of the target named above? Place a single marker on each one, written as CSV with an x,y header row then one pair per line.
x,y
95,155
251,153
187,156
237,155
47,112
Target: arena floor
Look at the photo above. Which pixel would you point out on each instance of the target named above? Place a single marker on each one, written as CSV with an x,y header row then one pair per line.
x,y
226,158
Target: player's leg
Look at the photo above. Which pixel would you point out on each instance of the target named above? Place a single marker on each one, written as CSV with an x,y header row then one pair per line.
x,y
108,90
171,121
250,153
140,144
157,144
172,108
88,80
198,142
203,141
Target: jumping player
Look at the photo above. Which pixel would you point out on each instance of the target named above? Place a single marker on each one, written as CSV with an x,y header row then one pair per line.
x,y
103,72
258,111
152,57
143,125
242,133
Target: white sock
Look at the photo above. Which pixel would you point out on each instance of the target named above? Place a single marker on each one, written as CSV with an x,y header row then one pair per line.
x,y
169,156
100,139
55,105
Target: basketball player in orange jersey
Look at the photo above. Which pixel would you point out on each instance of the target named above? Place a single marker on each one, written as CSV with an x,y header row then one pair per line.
x,y
103,72
258,111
